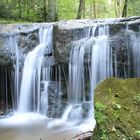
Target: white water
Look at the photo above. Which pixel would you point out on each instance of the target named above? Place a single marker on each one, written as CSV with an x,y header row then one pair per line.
x,y
12,46
101,62
44,98
34,93
101,59
76,74
76,83
66,112
32,65
100,69
135,46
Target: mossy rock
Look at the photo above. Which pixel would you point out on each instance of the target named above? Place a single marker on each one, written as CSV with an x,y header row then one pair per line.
x,y
117,105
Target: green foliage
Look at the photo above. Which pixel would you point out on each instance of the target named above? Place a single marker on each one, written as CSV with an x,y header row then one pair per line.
x,y
99,106
99,116
137,98
133,7
138,132
110,91
35,10
67,9
4,11
101,119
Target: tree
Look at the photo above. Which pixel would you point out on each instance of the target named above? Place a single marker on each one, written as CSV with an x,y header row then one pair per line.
x,y
94,8
81,9
5,12
19,9
116,3
51,10
67,9
52,15
44,10
124,14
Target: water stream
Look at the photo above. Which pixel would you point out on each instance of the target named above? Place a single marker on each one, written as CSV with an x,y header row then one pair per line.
x,y
58,100
32,70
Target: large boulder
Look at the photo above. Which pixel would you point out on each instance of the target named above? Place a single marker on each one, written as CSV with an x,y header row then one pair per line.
x,y
117,109
64,33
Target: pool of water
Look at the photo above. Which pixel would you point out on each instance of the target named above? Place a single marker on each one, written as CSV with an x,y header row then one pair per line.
x,y
36,127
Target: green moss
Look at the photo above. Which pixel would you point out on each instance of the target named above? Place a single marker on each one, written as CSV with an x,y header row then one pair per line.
x,y
117,108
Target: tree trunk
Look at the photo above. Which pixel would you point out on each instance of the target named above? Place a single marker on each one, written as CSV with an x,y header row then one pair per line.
x,y
52,16
91,11
94,7
84,9
19,9
44,10
27,10
116,8
124,14
8,3
80,9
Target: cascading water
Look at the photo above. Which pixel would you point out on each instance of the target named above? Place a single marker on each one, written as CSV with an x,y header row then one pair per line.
x,y
100,68
44,99
89,63
101,59
101,62
31,71
48,89
135,47
11,47
12,43
76,73
76,83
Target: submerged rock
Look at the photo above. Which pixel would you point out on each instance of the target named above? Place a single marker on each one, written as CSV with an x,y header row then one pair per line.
x,y
117,105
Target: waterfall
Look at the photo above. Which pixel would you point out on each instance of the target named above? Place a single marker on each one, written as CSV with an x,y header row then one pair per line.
x,y
42,88
97,51
76,82
101,62
100,67
135,47
11,46
76,74
32,71
44,98
101,59
12,43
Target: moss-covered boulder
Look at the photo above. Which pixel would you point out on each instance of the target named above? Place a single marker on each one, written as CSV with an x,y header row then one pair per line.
x,y
117,105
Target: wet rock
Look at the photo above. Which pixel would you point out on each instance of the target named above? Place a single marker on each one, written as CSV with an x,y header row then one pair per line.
x,y
116,28
28,41
86,107
56,102
5,58
64,33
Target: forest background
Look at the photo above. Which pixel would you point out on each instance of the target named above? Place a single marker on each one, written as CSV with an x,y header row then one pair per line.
x,y
54,10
